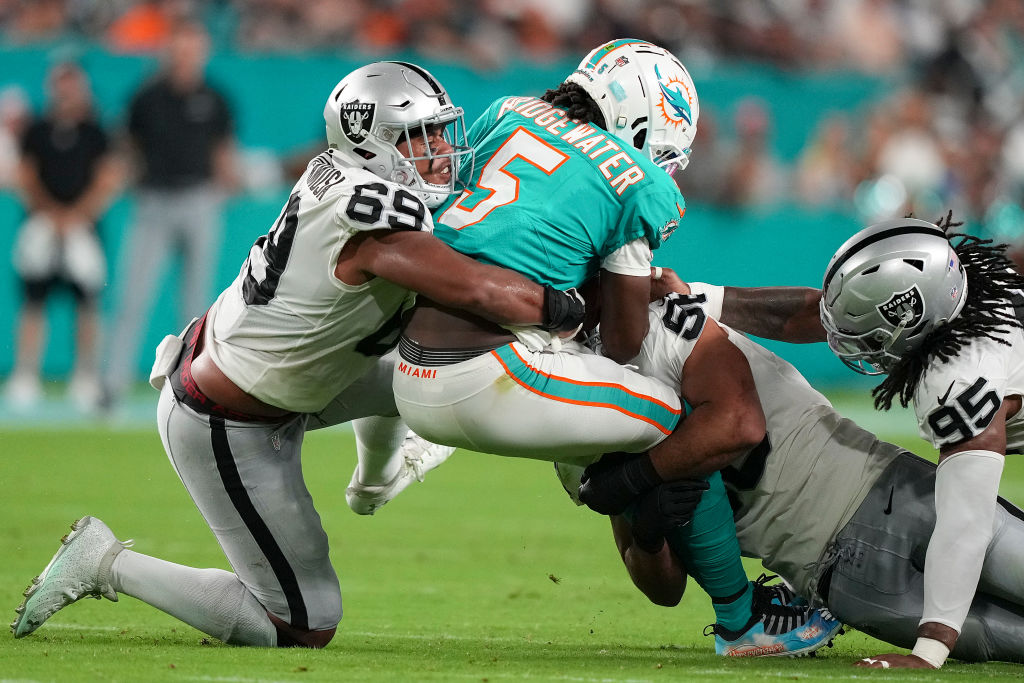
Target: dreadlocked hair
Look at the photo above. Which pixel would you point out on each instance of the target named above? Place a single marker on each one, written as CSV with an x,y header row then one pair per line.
x,y
578,104
988,313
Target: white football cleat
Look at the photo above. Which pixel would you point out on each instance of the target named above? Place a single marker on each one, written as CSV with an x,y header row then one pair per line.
x,y
80,569
419,456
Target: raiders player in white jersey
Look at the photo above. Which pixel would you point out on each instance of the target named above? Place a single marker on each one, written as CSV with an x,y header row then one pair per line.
x,y
296,343
938,314
844,517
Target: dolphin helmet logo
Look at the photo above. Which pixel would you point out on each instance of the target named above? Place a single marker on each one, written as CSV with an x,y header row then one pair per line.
x,y
674,105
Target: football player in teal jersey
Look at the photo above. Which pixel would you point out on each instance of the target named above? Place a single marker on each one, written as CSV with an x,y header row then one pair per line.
x,y
566,187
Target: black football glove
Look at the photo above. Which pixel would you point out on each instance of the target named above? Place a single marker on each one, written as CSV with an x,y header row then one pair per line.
x,y
666,507
563,309
609,489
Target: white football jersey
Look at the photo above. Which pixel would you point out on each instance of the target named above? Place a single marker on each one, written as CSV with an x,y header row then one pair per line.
x,y
957,400
803,484
289,332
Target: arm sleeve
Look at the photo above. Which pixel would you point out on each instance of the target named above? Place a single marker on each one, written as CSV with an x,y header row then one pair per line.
x,y
633,258
966,487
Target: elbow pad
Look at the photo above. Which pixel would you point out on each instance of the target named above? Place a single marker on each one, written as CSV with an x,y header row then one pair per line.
x,y
563,310
966,486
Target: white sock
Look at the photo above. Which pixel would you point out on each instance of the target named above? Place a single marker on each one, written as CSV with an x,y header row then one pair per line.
x,y
378,440
211,600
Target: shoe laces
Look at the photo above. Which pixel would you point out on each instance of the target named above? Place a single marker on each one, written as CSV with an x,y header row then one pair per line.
x,y
776,592
414,460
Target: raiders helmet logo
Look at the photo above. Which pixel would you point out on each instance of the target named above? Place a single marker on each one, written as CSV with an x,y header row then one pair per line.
x,y
357,120
903,304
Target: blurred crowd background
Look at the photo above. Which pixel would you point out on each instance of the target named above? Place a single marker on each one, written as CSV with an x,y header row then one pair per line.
x,y
930,119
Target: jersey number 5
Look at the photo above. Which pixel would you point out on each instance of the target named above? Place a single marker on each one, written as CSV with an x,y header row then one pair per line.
x,y
497,185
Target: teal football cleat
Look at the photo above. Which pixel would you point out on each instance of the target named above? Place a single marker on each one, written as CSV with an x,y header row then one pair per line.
x,y
79,569
776,593
777,630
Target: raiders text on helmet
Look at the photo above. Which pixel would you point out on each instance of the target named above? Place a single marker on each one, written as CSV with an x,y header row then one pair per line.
x,y
646,96
886,289
378,106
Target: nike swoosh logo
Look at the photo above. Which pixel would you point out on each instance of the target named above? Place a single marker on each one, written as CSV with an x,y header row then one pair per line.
x,y
888,507
942,399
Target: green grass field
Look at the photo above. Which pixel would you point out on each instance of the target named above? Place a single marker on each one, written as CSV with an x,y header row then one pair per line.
x,y
485,572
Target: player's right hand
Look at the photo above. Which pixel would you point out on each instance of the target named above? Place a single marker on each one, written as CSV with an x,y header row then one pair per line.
x,y
667,507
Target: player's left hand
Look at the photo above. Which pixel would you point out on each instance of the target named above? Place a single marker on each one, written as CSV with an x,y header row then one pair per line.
x,y
618,479
893,661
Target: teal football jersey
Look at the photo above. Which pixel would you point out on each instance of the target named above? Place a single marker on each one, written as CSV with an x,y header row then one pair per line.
x,y
551,198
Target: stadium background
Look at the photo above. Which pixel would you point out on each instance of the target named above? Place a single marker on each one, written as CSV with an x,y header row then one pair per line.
x,y
755,66
464,579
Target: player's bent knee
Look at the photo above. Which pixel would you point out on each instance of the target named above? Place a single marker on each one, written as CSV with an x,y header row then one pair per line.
x,y
291,636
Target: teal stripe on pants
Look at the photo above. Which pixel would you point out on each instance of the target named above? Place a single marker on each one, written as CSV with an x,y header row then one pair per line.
x,y
607,394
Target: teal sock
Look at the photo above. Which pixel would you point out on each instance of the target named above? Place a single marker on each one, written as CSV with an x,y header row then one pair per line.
x,y
711,554
734,612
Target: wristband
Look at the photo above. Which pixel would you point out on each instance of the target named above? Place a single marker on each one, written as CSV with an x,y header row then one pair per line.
x,y
931,651
658,270
563,310
714,296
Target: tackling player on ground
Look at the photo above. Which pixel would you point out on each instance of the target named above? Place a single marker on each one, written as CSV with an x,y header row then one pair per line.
x,y
845,518
296,343
938,313
940,319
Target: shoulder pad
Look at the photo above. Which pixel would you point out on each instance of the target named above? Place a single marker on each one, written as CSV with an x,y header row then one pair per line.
x,y
376,204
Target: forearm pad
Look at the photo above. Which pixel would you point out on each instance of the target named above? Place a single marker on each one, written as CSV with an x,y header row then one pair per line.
x,y
563,310
966,486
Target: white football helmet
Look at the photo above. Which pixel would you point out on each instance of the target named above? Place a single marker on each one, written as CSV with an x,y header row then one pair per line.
x,y
378,106
886,289
647,98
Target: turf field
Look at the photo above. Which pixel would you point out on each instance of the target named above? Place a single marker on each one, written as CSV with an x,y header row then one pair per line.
x,y
483,573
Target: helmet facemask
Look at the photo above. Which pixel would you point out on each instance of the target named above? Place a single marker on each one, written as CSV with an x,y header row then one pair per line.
x,y
672,160
869,353
383,104
886,290
420,140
